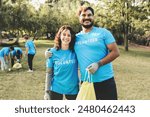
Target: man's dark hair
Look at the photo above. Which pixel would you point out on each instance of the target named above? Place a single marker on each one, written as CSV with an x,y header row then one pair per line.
x,y
18,52
11,47
26,36
82,8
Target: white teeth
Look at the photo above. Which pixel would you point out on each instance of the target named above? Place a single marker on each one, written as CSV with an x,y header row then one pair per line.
x,y
86,21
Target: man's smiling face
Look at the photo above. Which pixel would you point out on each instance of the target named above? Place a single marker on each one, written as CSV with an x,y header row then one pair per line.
x,y
86,19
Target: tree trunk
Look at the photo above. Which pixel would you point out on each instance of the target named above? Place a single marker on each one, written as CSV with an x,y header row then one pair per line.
x,y
126,42
0,3
126,28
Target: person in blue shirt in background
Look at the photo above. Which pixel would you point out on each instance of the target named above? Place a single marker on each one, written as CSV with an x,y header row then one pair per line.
x,y
16,55
30,51
5,58
96,48
62,67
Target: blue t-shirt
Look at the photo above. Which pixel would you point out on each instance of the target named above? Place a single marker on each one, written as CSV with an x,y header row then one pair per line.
x,y
65,71
30,45
4,51
91,47
14,52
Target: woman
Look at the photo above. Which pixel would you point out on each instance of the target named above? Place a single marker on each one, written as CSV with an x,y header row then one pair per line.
x,y
62,67
30,51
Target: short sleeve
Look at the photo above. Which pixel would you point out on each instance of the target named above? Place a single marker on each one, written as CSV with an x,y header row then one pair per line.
x,y
26,45
21,51
49,63
108,37
13,52
6,53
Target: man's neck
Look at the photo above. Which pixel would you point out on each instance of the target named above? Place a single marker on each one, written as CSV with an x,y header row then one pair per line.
x,y
86,30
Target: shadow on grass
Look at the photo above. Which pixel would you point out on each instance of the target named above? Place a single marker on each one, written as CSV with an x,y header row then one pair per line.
x,y
140,53
135,52
45,45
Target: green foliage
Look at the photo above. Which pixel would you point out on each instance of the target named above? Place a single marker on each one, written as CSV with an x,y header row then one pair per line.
x,y
122,17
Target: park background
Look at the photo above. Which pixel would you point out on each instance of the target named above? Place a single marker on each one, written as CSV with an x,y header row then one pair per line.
x,y
128,20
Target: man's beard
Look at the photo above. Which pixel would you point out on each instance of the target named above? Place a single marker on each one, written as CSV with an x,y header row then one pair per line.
x,y
87,26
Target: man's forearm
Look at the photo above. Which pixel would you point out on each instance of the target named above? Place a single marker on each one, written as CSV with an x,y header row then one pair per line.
x,y
109,58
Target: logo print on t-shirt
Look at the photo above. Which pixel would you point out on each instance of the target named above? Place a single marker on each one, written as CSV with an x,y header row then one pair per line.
x,y
62,62
93,40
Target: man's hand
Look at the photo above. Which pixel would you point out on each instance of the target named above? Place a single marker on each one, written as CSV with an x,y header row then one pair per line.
x,y
48,54
18,60
92,68
46,96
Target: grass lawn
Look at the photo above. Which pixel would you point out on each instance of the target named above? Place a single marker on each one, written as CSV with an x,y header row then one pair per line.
x,y
132,74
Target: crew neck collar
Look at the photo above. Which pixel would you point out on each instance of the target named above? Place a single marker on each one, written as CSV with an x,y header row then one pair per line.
x,y
87,32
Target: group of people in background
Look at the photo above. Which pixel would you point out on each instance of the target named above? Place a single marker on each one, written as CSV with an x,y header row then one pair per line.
x,y
11,55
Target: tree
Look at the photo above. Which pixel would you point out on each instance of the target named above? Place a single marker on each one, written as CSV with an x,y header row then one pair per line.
x,y
120,17
127,19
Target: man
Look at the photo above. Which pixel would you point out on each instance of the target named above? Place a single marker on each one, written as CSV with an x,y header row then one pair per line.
x,y
16,55
5,58
30,51
96,49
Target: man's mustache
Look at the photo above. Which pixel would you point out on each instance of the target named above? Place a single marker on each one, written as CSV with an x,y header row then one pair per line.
x,y
86,20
